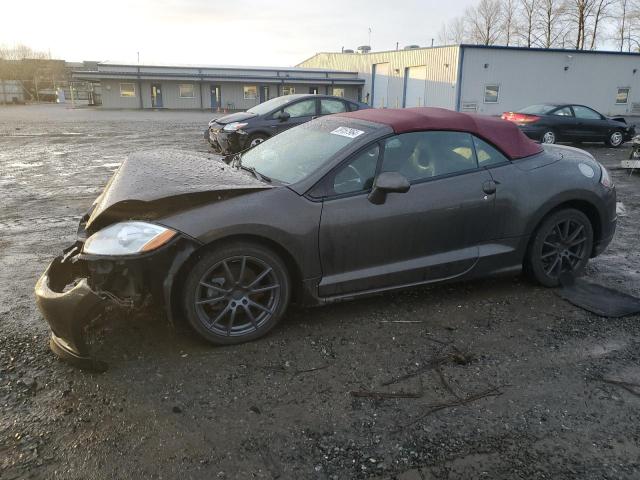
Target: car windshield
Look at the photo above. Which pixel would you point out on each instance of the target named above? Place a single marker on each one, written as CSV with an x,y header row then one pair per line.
x,y
300,151
269,105
538,109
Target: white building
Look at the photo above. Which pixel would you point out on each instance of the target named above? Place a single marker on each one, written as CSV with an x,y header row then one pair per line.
x,y
492,79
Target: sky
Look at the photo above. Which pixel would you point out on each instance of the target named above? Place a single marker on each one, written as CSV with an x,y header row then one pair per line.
x,y
216,32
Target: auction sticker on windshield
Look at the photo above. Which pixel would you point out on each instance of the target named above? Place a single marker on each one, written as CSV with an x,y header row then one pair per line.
x,y
347,132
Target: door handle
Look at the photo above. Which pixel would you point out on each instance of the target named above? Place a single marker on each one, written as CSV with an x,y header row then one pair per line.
x,y
489,187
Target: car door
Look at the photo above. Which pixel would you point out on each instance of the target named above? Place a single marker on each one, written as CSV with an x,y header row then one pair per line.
x,y
563,122
590,125
299,112
431,232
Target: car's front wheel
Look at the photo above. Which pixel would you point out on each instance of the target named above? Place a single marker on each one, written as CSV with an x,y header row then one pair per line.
x,y
256,139
615,139
236,293
561,244
549,136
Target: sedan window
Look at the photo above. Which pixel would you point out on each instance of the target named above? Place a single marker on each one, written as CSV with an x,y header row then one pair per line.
x,y
487,154
329,106
563,112
585,112
423,155
358,173
305,108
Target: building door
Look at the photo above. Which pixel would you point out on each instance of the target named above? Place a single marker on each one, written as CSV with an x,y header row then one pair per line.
x,y
216,97
313,90
264,93
380,84
415,81
156,96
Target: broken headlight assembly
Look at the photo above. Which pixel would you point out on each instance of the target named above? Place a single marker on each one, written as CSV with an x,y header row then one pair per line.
x,y
128,238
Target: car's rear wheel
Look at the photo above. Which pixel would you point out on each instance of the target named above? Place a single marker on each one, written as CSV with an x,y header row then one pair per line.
x,y
615,139
236,293
257,139
549,136
562,244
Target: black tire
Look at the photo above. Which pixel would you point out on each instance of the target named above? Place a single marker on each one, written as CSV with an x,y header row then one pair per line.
x,y
256,139
562,243
615,139
549,137
229,304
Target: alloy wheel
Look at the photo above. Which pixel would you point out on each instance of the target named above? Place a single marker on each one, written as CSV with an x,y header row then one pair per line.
x,y
563,248
615,139
237,296
549,137
256,141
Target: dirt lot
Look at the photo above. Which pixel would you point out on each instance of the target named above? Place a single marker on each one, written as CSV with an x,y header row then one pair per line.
x,y
172,407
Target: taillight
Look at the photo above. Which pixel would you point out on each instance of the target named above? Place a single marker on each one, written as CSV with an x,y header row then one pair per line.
x,y
520,117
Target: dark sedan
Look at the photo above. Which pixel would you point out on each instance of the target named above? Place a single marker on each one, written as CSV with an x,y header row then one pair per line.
x,y
239,131
551,123
341,207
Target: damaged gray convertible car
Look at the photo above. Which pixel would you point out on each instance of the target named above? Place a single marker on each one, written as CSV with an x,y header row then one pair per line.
x,y
340,207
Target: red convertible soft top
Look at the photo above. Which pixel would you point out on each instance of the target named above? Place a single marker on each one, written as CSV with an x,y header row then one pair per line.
x,y
501,133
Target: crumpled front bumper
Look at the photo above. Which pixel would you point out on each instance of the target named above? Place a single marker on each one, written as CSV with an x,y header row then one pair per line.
x,y
69,311
76,290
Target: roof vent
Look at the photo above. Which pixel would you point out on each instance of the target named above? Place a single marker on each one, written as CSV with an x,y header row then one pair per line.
x,y
364,49
412,47
348,50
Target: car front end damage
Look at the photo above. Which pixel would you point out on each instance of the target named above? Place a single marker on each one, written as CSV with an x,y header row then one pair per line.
x,y
77,290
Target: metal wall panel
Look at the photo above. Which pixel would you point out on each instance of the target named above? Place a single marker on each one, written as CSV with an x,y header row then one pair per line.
x,y
441,64
528,77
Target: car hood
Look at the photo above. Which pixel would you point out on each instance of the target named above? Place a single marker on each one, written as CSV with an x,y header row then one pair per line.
x,y
152,184
234,117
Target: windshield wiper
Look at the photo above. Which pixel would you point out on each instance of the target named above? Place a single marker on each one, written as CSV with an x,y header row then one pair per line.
x,y
236,161
256,173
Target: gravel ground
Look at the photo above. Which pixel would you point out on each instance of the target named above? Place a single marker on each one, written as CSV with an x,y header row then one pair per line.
x,y
515,394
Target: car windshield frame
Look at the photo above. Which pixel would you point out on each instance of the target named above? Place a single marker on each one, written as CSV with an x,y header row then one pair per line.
x,y
548,108
316,138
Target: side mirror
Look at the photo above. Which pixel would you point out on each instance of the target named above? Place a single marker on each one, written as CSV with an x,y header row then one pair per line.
x,y
283,116
388,182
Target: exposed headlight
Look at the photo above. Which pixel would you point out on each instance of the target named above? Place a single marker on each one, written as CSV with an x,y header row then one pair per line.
x,y
234,126
127,238
605,178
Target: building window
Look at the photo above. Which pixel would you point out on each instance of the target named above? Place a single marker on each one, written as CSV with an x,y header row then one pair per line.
x,y
491,93
623,96
288,90
186,90
338,92
127,89
250,92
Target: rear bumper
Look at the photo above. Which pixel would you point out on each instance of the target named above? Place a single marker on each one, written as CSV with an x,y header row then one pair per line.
x,y
533,132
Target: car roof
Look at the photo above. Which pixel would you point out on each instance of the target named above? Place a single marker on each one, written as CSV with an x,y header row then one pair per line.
x,y
501,133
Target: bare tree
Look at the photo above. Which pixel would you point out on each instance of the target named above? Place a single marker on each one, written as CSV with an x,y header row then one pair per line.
x,y
510,20
601,12
484,21
551,23
578,13
21,52
529,13
455,32
623,11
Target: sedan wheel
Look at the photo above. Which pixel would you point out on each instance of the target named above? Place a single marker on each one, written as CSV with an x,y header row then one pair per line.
x,y
562,244
256,140
615,139
549,137
236,294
